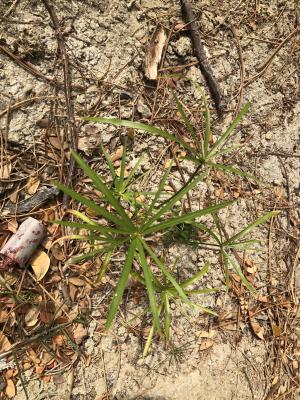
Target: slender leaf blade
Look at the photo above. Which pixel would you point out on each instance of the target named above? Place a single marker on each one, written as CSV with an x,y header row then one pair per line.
x,y
228,131
149,285
186,218
143,127
252,226
92,205
100,185
121,284
168,206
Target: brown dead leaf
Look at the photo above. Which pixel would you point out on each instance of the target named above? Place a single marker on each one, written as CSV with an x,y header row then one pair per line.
x,y
12,225
31,317
276,330
79,333
251,270
258,330
206,334
59,340
118,154
206,344
77,281
72,291
40,264
262,298
32,184
58,252
10,389
5,170
4,343
13,197
3,316
56,143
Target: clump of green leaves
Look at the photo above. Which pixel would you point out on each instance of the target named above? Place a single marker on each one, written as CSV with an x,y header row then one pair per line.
x,y
123,223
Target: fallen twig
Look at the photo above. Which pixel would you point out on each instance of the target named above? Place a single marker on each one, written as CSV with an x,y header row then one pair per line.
x,y
206,70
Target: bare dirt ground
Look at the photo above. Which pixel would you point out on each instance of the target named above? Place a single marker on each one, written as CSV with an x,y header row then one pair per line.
x,y
106,43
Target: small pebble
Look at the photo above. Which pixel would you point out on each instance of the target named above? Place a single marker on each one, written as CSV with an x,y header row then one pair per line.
x,y
269,135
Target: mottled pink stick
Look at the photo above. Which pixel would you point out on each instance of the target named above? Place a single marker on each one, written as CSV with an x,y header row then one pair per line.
x,y
21,246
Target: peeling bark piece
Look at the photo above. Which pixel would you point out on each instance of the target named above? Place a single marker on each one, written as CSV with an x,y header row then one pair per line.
x,y
37,200
21,246
154,53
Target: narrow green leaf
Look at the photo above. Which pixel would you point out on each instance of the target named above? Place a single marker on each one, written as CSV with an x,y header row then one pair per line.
x,y
165,271
143,127
186,218
104,265
196,277
186,120
109,162
148,276
207,132
91,254
167,315
219,143
121,284
128,180
168,206
239,272
98,228
92,205
151,334
159,191
100,185
207,230
82,216
203,291
205,309
233,170
241,245
122,167
251,226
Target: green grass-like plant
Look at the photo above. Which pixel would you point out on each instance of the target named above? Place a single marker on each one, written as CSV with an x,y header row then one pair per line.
x,y
123,223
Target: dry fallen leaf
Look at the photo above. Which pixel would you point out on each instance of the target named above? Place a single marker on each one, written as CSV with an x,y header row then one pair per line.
x,y
5,170
3,316
13,197
40,264
118,154
4,343
32,185
258,330
31,317
205,334
276,330
77,281
10,389
79,333
58,252
206,344
12,225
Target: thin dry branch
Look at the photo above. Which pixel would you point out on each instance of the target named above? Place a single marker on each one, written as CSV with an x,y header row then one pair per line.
x,y
205,68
